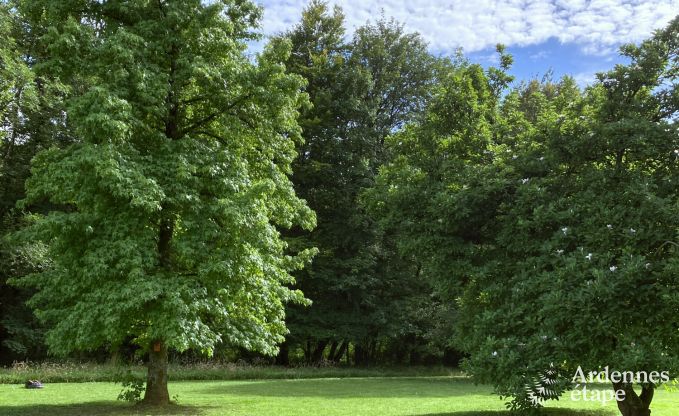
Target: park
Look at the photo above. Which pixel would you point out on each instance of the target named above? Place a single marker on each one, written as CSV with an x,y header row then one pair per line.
x,y
216,207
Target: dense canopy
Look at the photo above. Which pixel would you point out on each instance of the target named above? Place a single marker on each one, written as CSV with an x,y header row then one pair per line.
x,y
354,200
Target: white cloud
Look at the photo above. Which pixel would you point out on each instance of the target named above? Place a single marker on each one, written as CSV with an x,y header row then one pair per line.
x,y
539,55
585,78
597,26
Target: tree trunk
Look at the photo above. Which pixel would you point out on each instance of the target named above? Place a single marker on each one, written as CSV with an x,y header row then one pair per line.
x,y
283,357
359,355
307,351
317,355
633,404
156,379
333,349
340,352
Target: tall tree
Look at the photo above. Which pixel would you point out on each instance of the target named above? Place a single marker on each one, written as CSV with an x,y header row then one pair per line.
x,y
551,222
582,268
361,91
28,109
172,193
327,176
402,73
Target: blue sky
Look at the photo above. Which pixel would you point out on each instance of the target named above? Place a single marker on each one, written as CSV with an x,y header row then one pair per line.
x,y
576,37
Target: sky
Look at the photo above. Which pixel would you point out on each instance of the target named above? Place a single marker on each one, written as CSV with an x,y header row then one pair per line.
x,y
574,37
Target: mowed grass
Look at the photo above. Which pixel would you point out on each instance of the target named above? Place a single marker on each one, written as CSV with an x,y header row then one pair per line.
x,y
433,396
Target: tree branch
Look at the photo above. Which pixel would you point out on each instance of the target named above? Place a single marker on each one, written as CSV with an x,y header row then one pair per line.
x,y
197,124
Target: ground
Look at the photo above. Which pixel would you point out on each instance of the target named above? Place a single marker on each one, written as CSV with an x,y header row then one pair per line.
x,y
403,396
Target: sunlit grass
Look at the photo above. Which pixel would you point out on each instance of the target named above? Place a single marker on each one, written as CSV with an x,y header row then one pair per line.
x,y
440,396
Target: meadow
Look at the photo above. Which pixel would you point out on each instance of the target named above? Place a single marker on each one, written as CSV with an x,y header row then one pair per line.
x,y
377,396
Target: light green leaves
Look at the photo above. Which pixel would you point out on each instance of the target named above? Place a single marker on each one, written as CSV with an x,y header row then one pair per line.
x,y
169,201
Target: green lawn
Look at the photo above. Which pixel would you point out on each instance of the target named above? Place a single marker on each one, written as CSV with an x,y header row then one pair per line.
x,y
440,396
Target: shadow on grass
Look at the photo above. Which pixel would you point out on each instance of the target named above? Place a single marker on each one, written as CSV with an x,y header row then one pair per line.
x,y
353,388
545,412
103,408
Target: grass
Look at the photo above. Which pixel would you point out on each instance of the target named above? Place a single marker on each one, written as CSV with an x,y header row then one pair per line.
x,y
404,396
89,372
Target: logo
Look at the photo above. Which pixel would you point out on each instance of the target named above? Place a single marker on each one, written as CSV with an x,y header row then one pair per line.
x,y
581,391
544,387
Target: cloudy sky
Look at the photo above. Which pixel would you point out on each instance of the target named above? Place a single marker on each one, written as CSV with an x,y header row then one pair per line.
x,y
577,37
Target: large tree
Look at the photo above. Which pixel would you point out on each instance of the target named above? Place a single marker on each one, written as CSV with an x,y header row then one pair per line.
x,y
28,122
327,176
582,269
171,196
551,222
361,91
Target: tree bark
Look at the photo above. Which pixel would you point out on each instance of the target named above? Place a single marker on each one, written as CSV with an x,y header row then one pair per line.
x,y
340,352
307,351
360,355
633,404
165,232
156,380
333,349
317,355
283,357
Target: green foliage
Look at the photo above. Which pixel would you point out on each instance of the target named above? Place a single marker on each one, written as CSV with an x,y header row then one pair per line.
x,y
25,102
361,91
171,195
549,217
133,386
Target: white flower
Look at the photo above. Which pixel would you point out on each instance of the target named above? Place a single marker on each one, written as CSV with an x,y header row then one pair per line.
x,y
514,157
648,265
525,180
564,230
494,353
613,268
559,251
589,256
589,282
542,158
632,230
609,226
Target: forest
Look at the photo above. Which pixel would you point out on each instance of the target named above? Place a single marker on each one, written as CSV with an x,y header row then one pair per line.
x,y
345,200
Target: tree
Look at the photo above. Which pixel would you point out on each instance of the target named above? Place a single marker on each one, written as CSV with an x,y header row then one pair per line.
x,y
582,269
171,195
325,176
361,91
550,221
25,105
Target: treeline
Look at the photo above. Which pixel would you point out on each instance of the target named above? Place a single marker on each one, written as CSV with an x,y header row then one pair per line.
x,y
526,226
370,304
